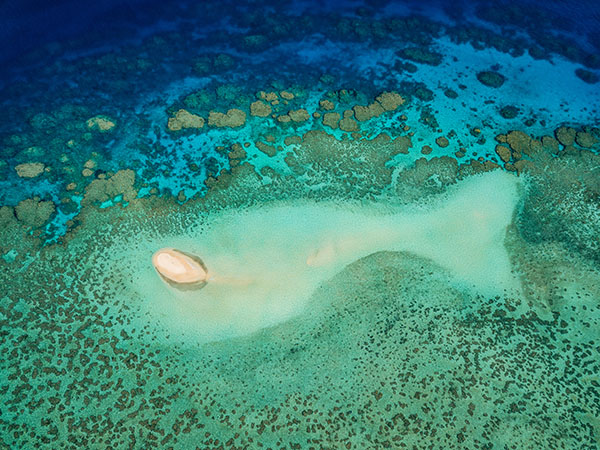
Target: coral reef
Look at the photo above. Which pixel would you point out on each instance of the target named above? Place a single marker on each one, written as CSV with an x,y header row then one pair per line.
x,y
113,148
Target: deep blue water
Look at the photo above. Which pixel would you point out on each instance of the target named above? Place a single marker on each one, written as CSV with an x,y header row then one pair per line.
x,y
27,25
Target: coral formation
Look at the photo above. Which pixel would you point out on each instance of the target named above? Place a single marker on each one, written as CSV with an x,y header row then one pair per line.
x,y
184,119
260,109
34,212
121,183
30,170
100,123
232,119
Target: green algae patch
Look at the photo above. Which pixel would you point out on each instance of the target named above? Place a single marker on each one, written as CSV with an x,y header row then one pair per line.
x,y
509,112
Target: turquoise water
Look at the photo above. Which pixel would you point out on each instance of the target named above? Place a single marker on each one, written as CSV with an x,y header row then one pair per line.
x,y
400,205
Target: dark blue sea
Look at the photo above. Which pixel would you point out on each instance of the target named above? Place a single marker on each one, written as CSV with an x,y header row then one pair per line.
x,y
365,224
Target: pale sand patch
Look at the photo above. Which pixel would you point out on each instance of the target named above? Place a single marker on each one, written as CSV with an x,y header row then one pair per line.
x,y
265,262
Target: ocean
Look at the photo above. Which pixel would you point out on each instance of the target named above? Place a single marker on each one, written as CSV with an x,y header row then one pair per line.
x,y
391,208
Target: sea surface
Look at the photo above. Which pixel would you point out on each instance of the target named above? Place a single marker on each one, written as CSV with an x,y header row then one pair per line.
x,y
398,203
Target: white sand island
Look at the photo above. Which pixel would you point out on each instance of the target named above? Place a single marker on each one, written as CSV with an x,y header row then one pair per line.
x,y
179,269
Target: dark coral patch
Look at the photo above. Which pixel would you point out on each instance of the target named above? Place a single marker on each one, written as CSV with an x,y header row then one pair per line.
x,y
491,79
509,112
450,93
421,55
587,76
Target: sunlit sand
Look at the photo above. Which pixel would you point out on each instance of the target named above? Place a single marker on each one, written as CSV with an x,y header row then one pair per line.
x,y
180,270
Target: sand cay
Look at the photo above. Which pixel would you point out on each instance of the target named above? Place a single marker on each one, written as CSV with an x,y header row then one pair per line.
x,y
179,269
264,263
